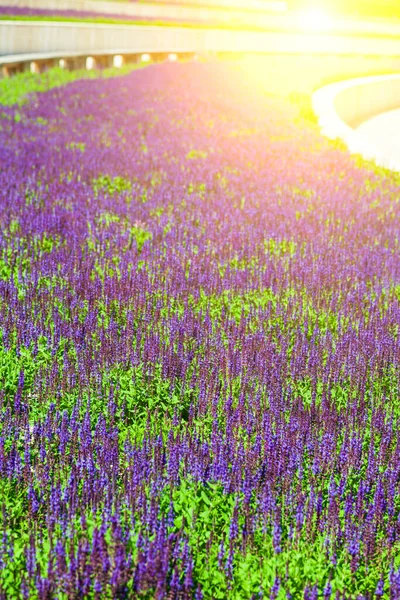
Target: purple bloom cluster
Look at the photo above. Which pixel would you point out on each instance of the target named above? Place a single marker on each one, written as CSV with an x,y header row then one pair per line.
x,y
199,347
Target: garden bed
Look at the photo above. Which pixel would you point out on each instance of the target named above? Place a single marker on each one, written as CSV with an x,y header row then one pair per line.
x,y
199,350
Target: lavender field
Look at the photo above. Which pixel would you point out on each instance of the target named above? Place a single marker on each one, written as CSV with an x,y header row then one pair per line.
x,y
199,347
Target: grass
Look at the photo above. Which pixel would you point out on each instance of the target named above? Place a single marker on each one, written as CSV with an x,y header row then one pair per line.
x,y
17,89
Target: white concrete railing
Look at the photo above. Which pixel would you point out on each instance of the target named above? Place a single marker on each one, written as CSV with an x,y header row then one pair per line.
x,y
341,107
250,13
28,37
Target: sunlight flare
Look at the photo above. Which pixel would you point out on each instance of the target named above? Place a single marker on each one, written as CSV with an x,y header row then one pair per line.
x,y
316,19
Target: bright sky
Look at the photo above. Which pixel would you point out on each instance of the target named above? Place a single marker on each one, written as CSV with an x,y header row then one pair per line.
x,y
377,8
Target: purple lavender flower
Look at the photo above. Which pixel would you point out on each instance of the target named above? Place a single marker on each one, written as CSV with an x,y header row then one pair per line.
x,y
199,349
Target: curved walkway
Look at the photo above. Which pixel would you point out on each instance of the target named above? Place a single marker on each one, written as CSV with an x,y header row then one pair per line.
x,y
383,133
364,114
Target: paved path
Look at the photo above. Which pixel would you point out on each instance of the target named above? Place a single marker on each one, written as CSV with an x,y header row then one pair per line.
x,y
383,132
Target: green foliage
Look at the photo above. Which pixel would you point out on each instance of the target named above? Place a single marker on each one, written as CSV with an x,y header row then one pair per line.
x,y
205,512
17,265
28,361
304,104
139,235
16,89
111,185
279,247
77,146
196,154
106,218
142,393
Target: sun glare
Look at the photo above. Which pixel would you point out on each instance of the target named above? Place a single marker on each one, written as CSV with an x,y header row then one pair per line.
x,y
118,61
90,63
316,19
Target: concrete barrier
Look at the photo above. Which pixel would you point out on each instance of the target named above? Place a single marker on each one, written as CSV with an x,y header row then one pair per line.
x,y
38,63
269,17
342,107
28,37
